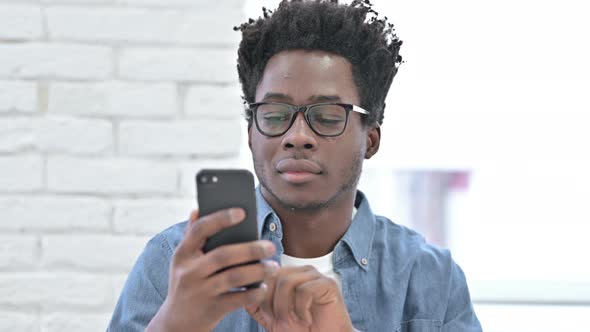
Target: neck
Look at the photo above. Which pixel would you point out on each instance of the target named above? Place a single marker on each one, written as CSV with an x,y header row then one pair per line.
x,y
321,228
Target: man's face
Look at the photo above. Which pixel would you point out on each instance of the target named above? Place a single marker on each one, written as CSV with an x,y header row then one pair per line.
x,y
301,169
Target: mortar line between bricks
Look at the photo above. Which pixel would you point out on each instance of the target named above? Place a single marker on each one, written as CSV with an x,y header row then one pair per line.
x,y
162,159
30,78
38,251
112,212
140,81
116,54
140,44
45,174
160,118
42,310
122,79
72,194
181,95
44,23
116,138
41,232
19,114
42,97
119,5
19,40
179,181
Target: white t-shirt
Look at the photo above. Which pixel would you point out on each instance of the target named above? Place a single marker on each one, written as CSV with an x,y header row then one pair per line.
x,y
323,264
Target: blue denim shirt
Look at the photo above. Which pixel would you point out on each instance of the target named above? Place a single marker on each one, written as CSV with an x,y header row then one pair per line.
x,y
392,280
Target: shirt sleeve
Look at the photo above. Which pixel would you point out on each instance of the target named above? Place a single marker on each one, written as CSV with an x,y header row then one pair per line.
x,y
460,316
145,289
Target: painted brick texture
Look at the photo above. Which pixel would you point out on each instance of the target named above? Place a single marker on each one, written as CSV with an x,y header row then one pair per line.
x,y
107,110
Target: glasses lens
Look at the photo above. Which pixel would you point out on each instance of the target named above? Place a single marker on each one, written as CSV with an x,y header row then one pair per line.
x,y
327,119
273,119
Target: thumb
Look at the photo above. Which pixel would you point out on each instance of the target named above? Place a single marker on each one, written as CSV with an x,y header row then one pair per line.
x,y
260,316
194,216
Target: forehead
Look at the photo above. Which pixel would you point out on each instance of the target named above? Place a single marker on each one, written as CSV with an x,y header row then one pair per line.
x,y
302,74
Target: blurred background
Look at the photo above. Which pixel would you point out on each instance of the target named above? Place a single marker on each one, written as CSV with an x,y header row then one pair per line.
x,y
109,107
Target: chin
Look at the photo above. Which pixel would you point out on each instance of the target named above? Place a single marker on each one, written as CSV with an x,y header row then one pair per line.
x,y
300,197
302,204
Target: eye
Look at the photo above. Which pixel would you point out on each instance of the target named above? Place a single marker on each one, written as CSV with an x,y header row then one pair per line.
x,y
328,115
275,116
327,119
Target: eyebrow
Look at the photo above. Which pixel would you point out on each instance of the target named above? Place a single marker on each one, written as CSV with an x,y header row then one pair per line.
x,y
277,95
314,98
324,98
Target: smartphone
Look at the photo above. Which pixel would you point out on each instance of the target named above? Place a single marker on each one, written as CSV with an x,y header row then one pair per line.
x,y
219,189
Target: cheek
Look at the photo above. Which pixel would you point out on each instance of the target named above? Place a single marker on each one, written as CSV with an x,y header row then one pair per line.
x,y
262,147
355,142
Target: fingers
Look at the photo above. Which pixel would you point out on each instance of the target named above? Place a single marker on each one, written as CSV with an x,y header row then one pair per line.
x,y
286,288
200,230
259,315
193,217
236,277
235,300
315,291
234,254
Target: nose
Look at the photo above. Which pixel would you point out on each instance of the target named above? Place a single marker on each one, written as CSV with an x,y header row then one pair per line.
x,y
300,135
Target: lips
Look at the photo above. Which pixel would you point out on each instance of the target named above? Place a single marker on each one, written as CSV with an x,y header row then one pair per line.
x,y
291,165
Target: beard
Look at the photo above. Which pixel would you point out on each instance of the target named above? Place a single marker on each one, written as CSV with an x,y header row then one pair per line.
x,y
349,176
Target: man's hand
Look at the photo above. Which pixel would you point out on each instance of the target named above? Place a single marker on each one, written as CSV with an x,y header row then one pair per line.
x,y
198,297
302,299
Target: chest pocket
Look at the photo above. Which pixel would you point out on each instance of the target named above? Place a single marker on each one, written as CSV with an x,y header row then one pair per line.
x,y
420,325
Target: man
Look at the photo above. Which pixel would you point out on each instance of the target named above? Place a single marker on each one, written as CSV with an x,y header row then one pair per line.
x,y
315,76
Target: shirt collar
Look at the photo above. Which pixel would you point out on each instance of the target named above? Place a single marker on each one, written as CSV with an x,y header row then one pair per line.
x,y
263,210
360,233
358,237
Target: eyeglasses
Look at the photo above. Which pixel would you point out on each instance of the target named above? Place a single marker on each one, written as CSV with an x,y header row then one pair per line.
x,y
325,119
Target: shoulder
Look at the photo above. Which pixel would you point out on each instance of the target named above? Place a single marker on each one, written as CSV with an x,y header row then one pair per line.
x,y
159,250
147,283
167,240
407,249
171,236
424,270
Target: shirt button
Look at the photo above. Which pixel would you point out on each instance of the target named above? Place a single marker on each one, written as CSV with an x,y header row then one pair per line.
x,y
273,227
364,261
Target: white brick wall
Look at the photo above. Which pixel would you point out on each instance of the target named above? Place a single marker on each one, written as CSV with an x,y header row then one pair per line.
x,y
55,60
66,321
21,173
20,22
111,176
114,99
161,26
51,290
107,110
18,252
18,322
52,213
213,102
18,96
178,64
107,253
149,216
194,137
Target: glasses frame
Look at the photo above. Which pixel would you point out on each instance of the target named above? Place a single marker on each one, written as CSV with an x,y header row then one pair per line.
x,y
304,109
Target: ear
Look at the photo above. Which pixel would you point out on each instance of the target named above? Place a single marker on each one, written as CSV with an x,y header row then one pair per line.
x,y
373,140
